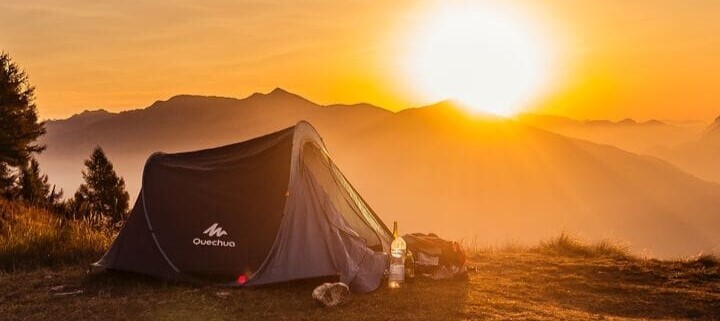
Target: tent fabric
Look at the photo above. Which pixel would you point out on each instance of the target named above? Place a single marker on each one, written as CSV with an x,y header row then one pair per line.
x,y
271,209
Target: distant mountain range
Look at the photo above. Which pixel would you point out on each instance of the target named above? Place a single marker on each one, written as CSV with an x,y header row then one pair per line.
x,y
713,131
700,156
559,121
694,148
640,137
482,178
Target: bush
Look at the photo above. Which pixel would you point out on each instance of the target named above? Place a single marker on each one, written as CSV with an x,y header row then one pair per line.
x,y
704,261
568,245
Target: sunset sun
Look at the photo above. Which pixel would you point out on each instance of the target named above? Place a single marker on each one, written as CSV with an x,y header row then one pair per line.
x,y
485,58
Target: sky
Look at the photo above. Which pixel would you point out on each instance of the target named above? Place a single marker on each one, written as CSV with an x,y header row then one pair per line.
x,y
612,59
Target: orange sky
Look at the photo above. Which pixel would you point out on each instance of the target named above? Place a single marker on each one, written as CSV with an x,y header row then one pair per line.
x,y
614,59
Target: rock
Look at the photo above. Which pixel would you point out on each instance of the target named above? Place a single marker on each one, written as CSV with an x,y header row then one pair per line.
x,y
450,273
331,294
69,293
443,273
57,288
222,294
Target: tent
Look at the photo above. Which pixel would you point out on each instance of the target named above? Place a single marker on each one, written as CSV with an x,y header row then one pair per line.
x,y
270,209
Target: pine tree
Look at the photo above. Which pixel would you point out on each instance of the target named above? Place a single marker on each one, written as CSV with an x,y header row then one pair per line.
x,y
103,192
7,181
19,126
34,187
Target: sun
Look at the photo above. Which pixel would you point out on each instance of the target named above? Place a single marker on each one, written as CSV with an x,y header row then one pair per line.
x,y
483,57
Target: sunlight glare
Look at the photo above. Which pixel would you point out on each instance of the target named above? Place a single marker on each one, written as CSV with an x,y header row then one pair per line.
x,y
481,56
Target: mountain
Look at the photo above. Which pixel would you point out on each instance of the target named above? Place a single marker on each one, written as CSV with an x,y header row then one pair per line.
x,y
491,179
639,137
713,131
78,121
183,123
481,178
700,157
690,146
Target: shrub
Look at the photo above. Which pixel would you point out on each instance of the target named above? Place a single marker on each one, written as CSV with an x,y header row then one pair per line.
x,y
704,261
568,245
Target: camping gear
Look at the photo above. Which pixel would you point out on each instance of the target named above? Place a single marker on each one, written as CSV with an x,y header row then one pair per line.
x,y
432,253
409,265
449,272
331,294
271,209
398,248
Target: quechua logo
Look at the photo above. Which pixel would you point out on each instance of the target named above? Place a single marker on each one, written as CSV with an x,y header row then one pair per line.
x,y
217,232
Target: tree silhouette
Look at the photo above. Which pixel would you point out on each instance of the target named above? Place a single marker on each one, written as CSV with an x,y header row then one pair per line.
x,y
34,186
19,126
103,192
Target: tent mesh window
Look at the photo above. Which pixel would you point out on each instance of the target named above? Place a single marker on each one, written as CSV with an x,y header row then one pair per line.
x,y
347,201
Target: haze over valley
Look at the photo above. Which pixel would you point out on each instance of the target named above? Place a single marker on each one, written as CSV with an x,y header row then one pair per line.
x,y
480,178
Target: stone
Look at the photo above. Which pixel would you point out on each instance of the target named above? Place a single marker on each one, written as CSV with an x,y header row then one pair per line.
x,y
57,288
331,294
222,294
69,293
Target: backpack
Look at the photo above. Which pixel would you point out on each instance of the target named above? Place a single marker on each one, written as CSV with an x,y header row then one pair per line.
x,y
431,252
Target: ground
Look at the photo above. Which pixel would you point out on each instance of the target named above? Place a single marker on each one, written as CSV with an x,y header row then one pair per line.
x,y
43,256
523,284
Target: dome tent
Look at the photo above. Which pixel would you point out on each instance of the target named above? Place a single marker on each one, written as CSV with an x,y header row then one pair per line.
x,y
270,209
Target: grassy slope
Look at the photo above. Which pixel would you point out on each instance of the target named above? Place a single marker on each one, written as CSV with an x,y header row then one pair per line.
x,y
523,284
560,279
31,237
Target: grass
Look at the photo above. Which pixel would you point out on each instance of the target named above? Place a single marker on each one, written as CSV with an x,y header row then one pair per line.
x,y
568,245
518,285
704,261
32,237
562,278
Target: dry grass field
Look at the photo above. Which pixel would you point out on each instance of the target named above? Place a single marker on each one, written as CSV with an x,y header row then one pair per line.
x,y
559,279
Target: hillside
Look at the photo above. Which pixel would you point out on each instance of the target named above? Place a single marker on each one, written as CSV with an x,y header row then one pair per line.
x,y
699,156
491,179
519,284
44,276
31,237
691,146
713,131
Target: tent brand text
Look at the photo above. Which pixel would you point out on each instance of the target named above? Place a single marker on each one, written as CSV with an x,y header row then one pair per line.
x,y
219,243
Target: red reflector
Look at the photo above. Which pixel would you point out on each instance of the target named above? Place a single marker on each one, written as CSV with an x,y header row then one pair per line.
x,y
241,279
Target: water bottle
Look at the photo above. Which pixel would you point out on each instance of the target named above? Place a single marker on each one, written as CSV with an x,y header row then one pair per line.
x,y
398,248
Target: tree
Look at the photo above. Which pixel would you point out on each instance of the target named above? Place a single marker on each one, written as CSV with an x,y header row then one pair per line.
x,y
19,126
34,186
7,181
103,192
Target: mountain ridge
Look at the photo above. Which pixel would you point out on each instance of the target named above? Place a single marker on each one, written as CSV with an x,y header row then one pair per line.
x,y
493,176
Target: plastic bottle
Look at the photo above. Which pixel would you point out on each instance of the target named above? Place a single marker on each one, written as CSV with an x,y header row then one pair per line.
x,y
398,248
